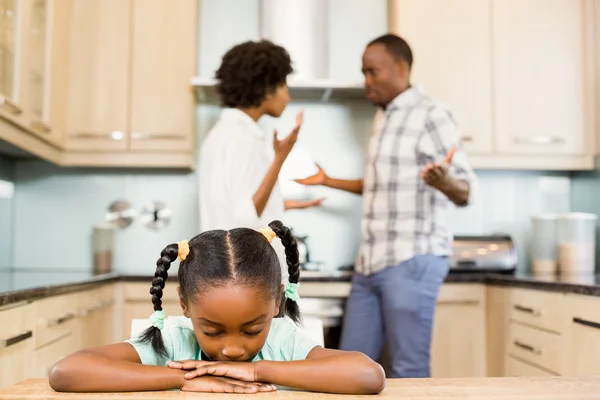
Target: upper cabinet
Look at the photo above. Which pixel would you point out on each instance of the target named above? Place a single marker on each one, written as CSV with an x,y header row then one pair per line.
x,y
517,74
99,82
32,57
163,60
99,65
540,78
451,41
131,63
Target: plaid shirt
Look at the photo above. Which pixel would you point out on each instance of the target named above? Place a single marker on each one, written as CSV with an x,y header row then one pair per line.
x,y
403,216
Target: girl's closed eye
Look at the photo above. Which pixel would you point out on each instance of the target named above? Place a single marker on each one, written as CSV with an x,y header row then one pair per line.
x,y
253,333
212,334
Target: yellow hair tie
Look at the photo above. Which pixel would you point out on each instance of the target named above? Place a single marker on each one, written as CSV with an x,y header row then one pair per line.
x,y
268,233
183,250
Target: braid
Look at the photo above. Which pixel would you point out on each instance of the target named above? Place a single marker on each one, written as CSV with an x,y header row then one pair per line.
x,y
292,258
152,334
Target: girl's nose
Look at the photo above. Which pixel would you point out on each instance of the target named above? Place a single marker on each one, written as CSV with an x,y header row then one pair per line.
x,y
233,351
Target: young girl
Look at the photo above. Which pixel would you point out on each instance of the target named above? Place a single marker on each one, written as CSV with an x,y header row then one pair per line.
x,y
230,338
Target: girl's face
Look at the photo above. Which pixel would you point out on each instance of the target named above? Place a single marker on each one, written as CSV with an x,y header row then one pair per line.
x,y
232,322
276,102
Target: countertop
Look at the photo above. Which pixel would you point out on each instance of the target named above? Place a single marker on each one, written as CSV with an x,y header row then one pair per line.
x,y
546,388
586,284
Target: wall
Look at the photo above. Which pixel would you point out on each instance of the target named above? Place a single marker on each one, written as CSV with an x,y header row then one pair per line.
x,y
6,219
55,209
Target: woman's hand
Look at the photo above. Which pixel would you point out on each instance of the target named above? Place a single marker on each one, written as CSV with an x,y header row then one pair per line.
x,y
284,146
241,371
219,384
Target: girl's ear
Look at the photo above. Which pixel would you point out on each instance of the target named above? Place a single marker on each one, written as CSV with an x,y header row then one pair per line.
x,y
182,304
279,300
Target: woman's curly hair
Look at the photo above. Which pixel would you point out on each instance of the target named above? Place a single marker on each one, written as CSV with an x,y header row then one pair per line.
x,y
251,70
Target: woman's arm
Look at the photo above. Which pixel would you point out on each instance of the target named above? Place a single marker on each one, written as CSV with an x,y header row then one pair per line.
x,y
326,370
112,368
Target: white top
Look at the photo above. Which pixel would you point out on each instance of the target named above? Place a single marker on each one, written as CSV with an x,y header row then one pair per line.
x,y
233,163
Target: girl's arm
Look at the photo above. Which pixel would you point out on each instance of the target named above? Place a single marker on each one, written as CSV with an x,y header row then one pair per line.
x,y
326,370
112,368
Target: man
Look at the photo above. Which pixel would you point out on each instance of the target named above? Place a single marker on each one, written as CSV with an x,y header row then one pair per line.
x,y
415,168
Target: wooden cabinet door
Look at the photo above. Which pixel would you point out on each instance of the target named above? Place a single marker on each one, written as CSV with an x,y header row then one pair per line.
x,y
539,53
451,42
458,344
163,62
16,344
99,66
583,336
516,367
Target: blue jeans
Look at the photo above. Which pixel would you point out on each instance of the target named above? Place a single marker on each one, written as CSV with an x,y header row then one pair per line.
x,y
396,305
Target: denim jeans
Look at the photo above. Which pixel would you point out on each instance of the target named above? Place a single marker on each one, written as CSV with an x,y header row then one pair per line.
x,y
396,306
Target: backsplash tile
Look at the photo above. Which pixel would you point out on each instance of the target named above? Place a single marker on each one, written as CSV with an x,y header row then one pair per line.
x,y
6,214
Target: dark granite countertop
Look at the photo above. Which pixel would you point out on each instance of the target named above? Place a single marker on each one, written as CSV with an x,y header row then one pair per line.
x,y
585,285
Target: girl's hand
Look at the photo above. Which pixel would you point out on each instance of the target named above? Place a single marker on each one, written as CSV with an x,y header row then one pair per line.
x,y
218,384
241,371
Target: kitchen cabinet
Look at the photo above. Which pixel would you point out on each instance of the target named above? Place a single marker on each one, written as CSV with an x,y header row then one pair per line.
x,y
97,317
16,343
541,77
516,367
130,99
496,326
99,64
33,53
458,346
163,61
517,75
583,335
451,43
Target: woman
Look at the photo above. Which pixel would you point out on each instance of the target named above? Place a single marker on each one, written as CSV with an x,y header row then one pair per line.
x,y
238,182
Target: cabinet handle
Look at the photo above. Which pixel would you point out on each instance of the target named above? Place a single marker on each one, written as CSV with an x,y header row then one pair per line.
x,y
541,140
12,107
527,310
460,302
584,322
60,320
102,305
42,127
527,347
467,138
115,135
152,136
15,339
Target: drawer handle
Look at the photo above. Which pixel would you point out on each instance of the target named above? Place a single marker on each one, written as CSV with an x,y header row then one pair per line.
x,y
460,302
584,322
467,138
40,126
15,339
527,310
12,107
541,140
114,135
151,136
60,320
527,347
96,307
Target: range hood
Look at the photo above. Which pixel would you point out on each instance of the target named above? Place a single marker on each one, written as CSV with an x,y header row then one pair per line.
x,y
301,26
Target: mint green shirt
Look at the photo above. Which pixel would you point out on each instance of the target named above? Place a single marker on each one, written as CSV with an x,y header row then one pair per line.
x,y
284,343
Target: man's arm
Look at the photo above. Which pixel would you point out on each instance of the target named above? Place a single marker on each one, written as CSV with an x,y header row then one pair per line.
x,y
453,175
321,179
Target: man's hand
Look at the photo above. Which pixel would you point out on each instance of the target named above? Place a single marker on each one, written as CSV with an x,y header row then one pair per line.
x,y
320,178
298,204
241,371
436,174
218,384
284,146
